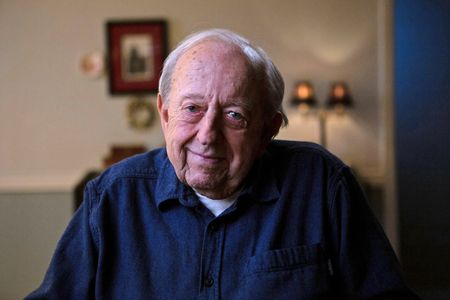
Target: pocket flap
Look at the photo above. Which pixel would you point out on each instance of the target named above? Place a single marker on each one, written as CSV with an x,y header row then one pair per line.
x,y
286,258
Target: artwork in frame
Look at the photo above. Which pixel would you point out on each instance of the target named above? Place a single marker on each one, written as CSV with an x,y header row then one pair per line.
x,y
136,52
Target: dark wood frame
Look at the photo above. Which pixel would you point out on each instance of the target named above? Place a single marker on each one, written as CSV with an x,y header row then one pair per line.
x,y
136,50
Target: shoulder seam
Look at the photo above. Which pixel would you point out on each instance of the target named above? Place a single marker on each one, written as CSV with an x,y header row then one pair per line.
x,y
104,184
337,179
92,195
335,163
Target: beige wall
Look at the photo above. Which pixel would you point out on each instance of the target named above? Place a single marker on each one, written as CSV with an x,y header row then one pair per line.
x,y
30,225
55,123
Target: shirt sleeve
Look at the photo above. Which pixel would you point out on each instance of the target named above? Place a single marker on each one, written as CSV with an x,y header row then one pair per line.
x,y
364,262
71,274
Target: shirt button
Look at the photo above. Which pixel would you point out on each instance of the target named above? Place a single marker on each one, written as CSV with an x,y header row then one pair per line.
x,y
209,281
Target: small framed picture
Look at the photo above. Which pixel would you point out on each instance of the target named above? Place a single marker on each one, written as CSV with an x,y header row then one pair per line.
x,y
136,50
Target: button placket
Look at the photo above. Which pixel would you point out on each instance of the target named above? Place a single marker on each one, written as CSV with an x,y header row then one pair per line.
x,y
209,281
213,242
212,259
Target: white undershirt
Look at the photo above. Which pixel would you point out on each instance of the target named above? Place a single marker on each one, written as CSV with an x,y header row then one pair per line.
x,y
217,206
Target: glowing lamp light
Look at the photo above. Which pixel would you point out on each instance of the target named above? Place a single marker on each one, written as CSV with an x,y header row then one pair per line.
x,y
303,97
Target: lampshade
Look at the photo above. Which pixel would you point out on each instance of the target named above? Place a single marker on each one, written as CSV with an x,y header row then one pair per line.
x,y
339,95
303,94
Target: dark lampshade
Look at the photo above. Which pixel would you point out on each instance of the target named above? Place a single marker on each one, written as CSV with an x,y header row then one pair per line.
x,y
339,95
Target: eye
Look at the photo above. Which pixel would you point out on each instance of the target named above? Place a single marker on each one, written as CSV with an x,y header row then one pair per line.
x,y
191,113
235,115
192,108
235,120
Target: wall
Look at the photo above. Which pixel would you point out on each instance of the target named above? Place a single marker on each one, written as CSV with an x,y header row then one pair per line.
x,y
30,225
422,84
55,123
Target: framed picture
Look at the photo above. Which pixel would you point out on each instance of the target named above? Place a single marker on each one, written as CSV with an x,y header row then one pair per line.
x,y
136,50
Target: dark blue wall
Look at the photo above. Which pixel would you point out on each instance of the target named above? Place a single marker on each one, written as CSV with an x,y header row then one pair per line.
x,y
422,95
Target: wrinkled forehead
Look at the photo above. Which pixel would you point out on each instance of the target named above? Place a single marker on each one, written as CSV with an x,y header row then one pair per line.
x,y
212,59
216,50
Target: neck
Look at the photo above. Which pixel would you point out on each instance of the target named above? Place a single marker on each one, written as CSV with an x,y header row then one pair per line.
x,y
219,196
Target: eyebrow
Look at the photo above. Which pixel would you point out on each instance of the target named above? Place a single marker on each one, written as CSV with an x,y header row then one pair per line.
x,y
239,102
194,96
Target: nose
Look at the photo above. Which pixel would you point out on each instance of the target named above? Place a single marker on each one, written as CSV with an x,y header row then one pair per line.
x,y
209,128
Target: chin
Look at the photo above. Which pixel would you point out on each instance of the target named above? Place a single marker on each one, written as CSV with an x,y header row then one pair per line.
x,y
203,183
210,184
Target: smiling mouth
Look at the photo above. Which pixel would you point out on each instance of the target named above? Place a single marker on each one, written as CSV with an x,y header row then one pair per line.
x,y
207,158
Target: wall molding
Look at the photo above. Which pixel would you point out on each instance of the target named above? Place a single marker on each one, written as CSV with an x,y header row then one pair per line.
x,y
38,183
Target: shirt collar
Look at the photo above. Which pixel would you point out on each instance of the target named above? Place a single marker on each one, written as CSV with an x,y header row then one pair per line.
x,y
260,184
169,187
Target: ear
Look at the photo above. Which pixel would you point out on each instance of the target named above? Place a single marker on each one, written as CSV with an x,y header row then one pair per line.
x,y
162,110
270,130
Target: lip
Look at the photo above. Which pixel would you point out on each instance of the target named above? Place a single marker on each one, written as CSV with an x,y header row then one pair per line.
x,y
211,158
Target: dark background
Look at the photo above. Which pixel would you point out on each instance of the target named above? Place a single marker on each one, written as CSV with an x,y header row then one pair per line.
x,y
422,96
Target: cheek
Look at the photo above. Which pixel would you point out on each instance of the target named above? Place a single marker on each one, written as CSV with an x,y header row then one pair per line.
x,y
243,151
177,136
177,133
250,146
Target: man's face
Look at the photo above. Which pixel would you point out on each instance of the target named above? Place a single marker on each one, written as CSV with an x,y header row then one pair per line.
x,y
213,119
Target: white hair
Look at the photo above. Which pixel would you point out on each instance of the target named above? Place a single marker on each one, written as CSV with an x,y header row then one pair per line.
x,y
260,64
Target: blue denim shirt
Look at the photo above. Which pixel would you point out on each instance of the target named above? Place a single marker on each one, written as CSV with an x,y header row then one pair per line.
x,y
300,229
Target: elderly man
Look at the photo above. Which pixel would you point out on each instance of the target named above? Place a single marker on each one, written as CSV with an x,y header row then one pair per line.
x,y
224,212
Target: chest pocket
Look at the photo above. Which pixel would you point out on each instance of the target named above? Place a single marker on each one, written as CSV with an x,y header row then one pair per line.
x,y
291,273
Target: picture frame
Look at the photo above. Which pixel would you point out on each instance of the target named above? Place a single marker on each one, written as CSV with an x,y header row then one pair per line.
x,y
136,50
